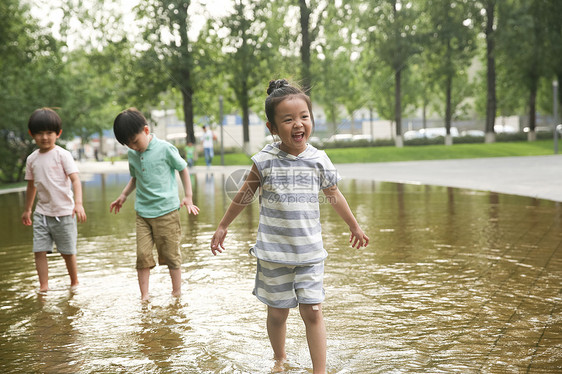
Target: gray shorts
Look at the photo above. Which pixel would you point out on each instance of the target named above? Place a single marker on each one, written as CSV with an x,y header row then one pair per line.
x,y
60,230
286,286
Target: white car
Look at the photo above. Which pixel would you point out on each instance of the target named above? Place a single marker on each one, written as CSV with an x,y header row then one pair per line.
x,y
430,132
366,137
340,138
475,133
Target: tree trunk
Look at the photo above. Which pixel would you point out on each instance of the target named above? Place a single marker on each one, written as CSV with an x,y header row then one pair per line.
x,y
448,109
246,117
305,47
187,96
532,111
185,69
424,115
491,72
101,150
397,102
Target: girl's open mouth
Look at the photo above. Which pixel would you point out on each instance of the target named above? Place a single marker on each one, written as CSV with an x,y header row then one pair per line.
x,y
298,137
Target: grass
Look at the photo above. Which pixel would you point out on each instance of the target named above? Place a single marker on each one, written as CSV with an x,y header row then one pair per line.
x,y
5,186
412,153
229,159
440,152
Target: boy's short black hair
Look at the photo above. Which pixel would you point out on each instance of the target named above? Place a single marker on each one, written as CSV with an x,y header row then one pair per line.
x,y
44,119
128,124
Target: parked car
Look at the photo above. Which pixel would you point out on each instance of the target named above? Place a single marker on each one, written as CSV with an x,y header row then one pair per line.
x,y
366,137
430,132
475,133
498,129
340,138
540,129
314,140
412,134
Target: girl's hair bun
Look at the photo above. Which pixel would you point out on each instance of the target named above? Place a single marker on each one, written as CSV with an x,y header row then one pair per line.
x,y
276,84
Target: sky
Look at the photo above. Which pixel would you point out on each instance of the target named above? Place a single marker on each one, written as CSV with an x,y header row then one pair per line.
x,y
50,14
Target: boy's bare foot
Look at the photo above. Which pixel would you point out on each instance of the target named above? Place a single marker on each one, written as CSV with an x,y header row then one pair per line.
x,y
176,293
145,298
74,287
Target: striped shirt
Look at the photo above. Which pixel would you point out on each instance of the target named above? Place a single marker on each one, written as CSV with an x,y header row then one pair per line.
x,y
289,230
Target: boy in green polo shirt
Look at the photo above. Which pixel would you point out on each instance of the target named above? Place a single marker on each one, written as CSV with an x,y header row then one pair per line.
x,y
152,165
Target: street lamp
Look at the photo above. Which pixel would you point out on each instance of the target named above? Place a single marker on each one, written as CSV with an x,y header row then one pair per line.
x,y
555,110
222,130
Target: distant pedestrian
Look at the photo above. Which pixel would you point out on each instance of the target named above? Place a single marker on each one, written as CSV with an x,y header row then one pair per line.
x,y
51,175
152,165
208,145
189,154
289,249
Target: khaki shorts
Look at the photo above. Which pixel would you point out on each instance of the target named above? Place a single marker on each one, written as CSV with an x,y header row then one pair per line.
x,y
165,233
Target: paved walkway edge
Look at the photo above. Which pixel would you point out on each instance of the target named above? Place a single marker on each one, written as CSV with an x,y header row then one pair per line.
x,y
533,176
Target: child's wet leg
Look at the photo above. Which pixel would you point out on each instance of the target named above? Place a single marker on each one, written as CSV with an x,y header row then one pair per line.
x,y
72,269
144,275
41,264
277,330
175,274
315,335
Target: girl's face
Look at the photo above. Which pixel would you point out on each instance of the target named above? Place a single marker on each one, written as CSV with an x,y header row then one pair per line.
x,y
140,141
45,140
293,124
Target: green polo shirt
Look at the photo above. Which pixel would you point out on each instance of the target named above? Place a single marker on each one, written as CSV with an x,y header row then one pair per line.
x,y
155,171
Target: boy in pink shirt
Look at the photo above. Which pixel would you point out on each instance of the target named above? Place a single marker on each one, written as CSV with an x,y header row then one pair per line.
x,y
51,174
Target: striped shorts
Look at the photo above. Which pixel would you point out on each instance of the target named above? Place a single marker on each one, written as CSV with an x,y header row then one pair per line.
x,y
287,286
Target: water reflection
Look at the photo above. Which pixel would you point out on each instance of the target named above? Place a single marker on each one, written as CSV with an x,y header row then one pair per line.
x,y
453,281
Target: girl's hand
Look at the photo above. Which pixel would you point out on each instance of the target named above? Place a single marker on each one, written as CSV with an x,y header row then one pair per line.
x,y
217,242
358,238
188,204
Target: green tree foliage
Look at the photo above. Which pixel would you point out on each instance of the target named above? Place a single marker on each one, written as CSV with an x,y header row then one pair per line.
x,y
450,49
394,56
31,66
334,68
170,52
526,61
249,54
394,26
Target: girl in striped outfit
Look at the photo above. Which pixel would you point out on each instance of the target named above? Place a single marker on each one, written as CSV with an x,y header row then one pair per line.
x,y
289,249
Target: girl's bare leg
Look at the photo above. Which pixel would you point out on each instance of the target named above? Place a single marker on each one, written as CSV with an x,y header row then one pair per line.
x,y
315,335
277,330
175,274
72,268
41,264
144,275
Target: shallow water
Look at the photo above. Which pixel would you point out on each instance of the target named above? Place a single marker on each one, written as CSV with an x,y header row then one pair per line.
x,y
453,281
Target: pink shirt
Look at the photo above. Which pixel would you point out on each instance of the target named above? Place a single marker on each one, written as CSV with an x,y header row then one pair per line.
x,y
50,174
